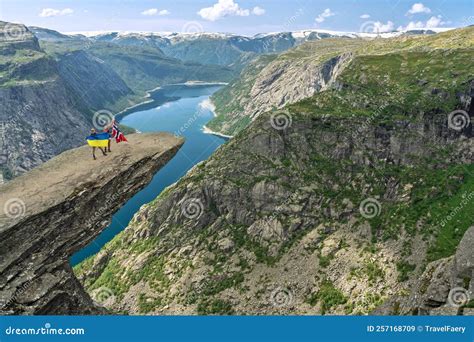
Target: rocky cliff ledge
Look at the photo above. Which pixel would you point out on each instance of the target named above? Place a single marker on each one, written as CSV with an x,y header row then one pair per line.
x,y
58,208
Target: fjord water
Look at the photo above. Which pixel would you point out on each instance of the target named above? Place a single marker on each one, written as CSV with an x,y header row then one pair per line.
x,y
181,110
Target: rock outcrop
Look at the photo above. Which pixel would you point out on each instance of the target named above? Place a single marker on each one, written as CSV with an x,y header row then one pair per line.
x,y
286,82
225,241
50,90
269,83
59,207
274,82
446,287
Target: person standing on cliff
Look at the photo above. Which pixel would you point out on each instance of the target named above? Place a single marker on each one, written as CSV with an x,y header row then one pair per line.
x,y
108,129
96,140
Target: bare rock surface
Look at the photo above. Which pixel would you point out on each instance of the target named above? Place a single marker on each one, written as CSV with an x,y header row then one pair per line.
x,y
58,208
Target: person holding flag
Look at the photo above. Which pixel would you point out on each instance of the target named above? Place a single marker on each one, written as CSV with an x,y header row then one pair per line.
x,y
114,132
102,140
117,134
98,140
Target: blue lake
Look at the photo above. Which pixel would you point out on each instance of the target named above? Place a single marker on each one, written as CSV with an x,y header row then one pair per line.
x,y
180,110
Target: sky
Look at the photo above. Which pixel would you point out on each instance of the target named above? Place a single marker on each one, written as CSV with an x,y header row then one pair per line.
x,y
247,17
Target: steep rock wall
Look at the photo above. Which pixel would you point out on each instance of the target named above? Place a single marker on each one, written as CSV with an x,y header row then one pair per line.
x,y
56,209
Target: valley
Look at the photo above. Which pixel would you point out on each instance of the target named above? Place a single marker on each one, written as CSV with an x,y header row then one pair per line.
x,y
184,116
330,205
345,189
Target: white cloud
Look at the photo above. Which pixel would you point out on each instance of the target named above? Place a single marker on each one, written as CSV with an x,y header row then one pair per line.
x,y
365,16
258,11
155,11
221,9
326,14
418,8
151,11
51,12
380,27
432,22
412,25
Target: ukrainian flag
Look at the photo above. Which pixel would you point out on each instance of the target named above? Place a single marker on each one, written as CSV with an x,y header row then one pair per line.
x,y
98,139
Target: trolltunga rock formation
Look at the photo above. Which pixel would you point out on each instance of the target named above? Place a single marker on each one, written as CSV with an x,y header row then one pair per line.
x,y
58,208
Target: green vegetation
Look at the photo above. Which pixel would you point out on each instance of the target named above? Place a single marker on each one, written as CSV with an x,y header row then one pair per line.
x,y
215,307
412,74
328,296
147,304
470,304
233,97
142,68
370,270
322,171
404,269
25,65
110,278
215,286
324,261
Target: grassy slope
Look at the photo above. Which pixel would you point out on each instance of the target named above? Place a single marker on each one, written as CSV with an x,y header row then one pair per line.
x,y
399,85
23,64
403,50
399,81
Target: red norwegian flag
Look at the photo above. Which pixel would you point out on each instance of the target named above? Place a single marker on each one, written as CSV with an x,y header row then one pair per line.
x,y
117,134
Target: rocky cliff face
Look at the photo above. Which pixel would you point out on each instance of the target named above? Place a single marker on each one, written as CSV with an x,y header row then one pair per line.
x,y
284,83
96,84
274,82
290,237
38,116
446,287
37,122
46,105
333,205
56,209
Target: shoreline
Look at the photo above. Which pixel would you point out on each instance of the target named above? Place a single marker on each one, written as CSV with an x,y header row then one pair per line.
x,y
147,96
131,107
197,83
149,92
207,130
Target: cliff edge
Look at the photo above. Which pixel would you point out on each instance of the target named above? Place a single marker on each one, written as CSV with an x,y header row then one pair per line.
x,y
58,208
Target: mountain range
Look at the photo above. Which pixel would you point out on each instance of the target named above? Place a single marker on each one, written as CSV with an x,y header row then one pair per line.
x,y
345,189
215,48
345,194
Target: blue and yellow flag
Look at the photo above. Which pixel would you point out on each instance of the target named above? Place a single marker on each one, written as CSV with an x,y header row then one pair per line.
x,y
98,139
